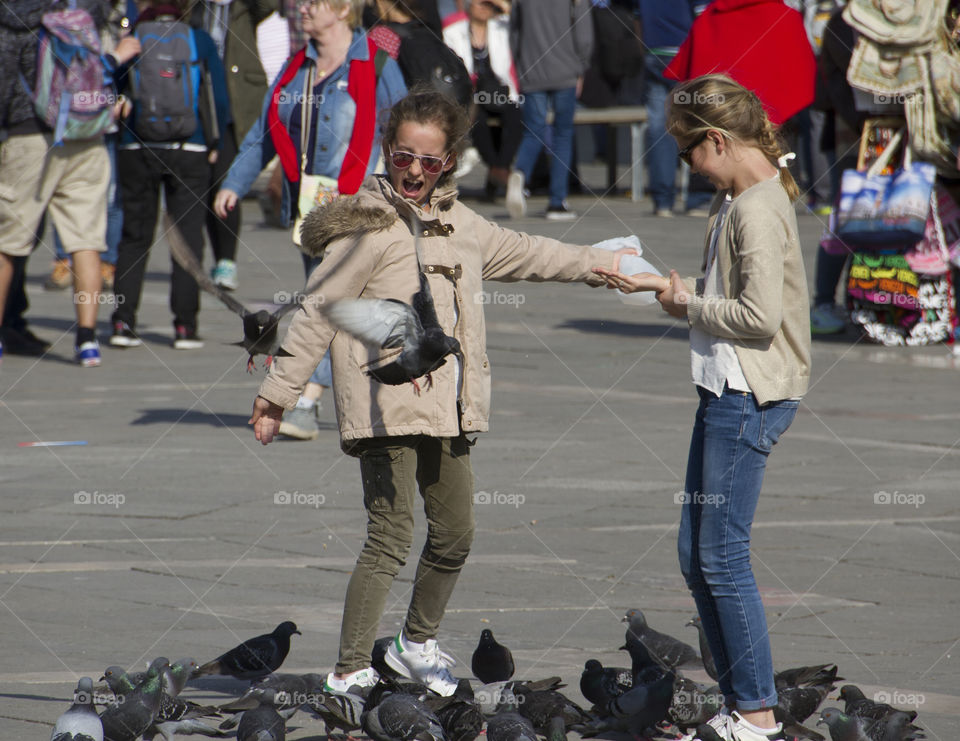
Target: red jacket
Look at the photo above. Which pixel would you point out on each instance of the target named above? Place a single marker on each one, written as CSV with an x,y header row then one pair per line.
x,y
761,44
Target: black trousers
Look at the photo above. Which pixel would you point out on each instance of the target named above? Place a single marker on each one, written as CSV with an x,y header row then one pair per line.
x,y
223,233
185,179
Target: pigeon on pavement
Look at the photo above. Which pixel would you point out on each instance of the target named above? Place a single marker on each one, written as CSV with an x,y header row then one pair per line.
x,y
134,712
177,716
669,650
400,717
859,705
706,655
263,723
459,714
693,704
600,684
254,658
492,661
80,722
510,726
540,706
176,676
338,711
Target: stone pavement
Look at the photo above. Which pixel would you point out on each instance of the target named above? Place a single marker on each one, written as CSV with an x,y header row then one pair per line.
x,y
173,532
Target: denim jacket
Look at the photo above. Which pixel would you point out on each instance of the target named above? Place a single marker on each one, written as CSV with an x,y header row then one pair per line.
x,y
335,123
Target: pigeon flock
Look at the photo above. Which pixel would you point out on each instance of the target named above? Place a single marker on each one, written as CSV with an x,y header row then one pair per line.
x,y
649,699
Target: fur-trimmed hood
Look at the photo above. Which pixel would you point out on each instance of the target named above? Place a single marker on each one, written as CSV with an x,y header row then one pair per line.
x,y
374,208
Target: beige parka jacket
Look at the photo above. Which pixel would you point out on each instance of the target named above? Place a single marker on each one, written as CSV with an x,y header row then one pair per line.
x,y
369,252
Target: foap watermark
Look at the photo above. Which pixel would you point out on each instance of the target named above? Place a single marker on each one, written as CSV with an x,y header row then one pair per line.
x,y
696,497
97,297
497,98
493,697
899,699
99,499
896,497
495,497
498,298
95,98
97,698
682,698
898,98
284,298
299,499
296,97
685,97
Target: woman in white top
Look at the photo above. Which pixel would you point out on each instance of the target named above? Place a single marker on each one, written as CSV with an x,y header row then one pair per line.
x,y
480,37
750,356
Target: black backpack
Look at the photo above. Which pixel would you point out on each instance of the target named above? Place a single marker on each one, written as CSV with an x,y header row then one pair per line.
x,y
166,82
424,59
618,51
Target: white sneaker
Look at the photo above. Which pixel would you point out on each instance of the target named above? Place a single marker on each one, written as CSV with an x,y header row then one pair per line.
x,y
731,727
363,679
468,160
516,201
422,662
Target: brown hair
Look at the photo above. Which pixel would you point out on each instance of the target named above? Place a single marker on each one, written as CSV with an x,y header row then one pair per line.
x,y
717,102
424,105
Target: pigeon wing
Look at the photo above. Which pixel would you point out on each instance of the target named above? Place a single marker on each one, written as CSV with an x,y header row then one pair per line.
x,y
181,252
383,323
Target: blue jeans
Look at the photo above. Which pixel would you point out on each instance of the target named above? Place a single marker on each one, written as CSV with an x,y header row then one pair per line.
x,y
323,373
732,438
660,148
114,211
534,138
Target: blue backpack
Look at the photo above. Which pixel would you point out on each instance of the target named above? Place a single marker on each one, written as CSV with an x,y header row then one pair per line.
x,y
165,82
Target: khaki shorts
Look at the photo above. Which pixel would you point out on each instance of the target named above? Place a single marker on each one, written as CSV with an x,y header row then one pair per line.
x,y
70,182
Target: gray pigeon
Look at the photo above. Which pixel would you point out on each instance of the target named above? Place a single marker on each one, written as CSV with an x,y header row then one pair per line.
x,y
510,726
175,678
289,689
256,657
401,717
134,712
669,650
177,716
706,655
338,711
693,704
80,722
263,723
859,705
637,710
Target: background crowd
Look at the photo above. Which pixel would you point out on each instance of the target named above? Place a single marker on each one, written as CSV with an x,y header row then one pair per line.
x,y
301,87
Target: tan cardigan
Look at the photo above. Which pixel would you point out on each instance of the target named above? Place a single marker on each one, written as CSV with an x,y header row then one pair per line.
x,y
766,312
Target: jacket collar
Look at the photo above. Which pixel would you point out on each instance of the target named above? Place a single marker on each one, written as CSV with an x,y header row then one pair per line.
x,y
357,50
441,199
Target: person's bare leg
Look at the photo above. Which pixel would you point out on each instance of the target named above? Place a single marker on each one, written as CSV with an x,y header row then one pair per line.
x,y
6,277
86,286
312,391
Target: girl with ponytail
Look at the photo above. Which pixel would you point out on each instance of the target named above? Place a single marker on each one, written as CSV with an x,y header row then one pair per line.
x,y
750,357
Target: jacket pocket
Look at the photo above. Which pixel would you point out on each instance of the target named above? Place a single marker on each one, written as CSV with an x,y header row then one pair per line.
x,y
384,488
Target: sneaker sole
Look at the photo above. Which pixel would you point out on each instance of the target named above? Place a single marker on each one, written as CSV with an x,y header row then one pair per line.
x,y
187,345
516,203
441,688
124,342
227,285
90,363
298,433
561,217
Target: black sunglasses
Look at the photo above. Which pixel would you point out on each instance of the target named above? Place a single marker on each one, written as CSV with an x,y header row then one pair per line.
x,y
685,153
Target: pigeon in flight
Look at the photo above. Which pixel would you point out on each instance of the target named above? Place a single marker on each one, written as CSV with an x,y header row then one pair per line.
x,y
260,328
492,661
254,658
80,722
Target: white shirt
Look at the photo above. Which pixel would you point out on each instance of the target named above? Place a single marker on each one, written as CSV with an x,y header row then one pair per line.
x,y
713,360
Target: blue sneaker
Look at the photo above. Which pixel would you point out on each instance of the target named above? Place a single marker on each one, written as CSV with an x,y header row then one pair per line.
x,y
88,354
224,274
